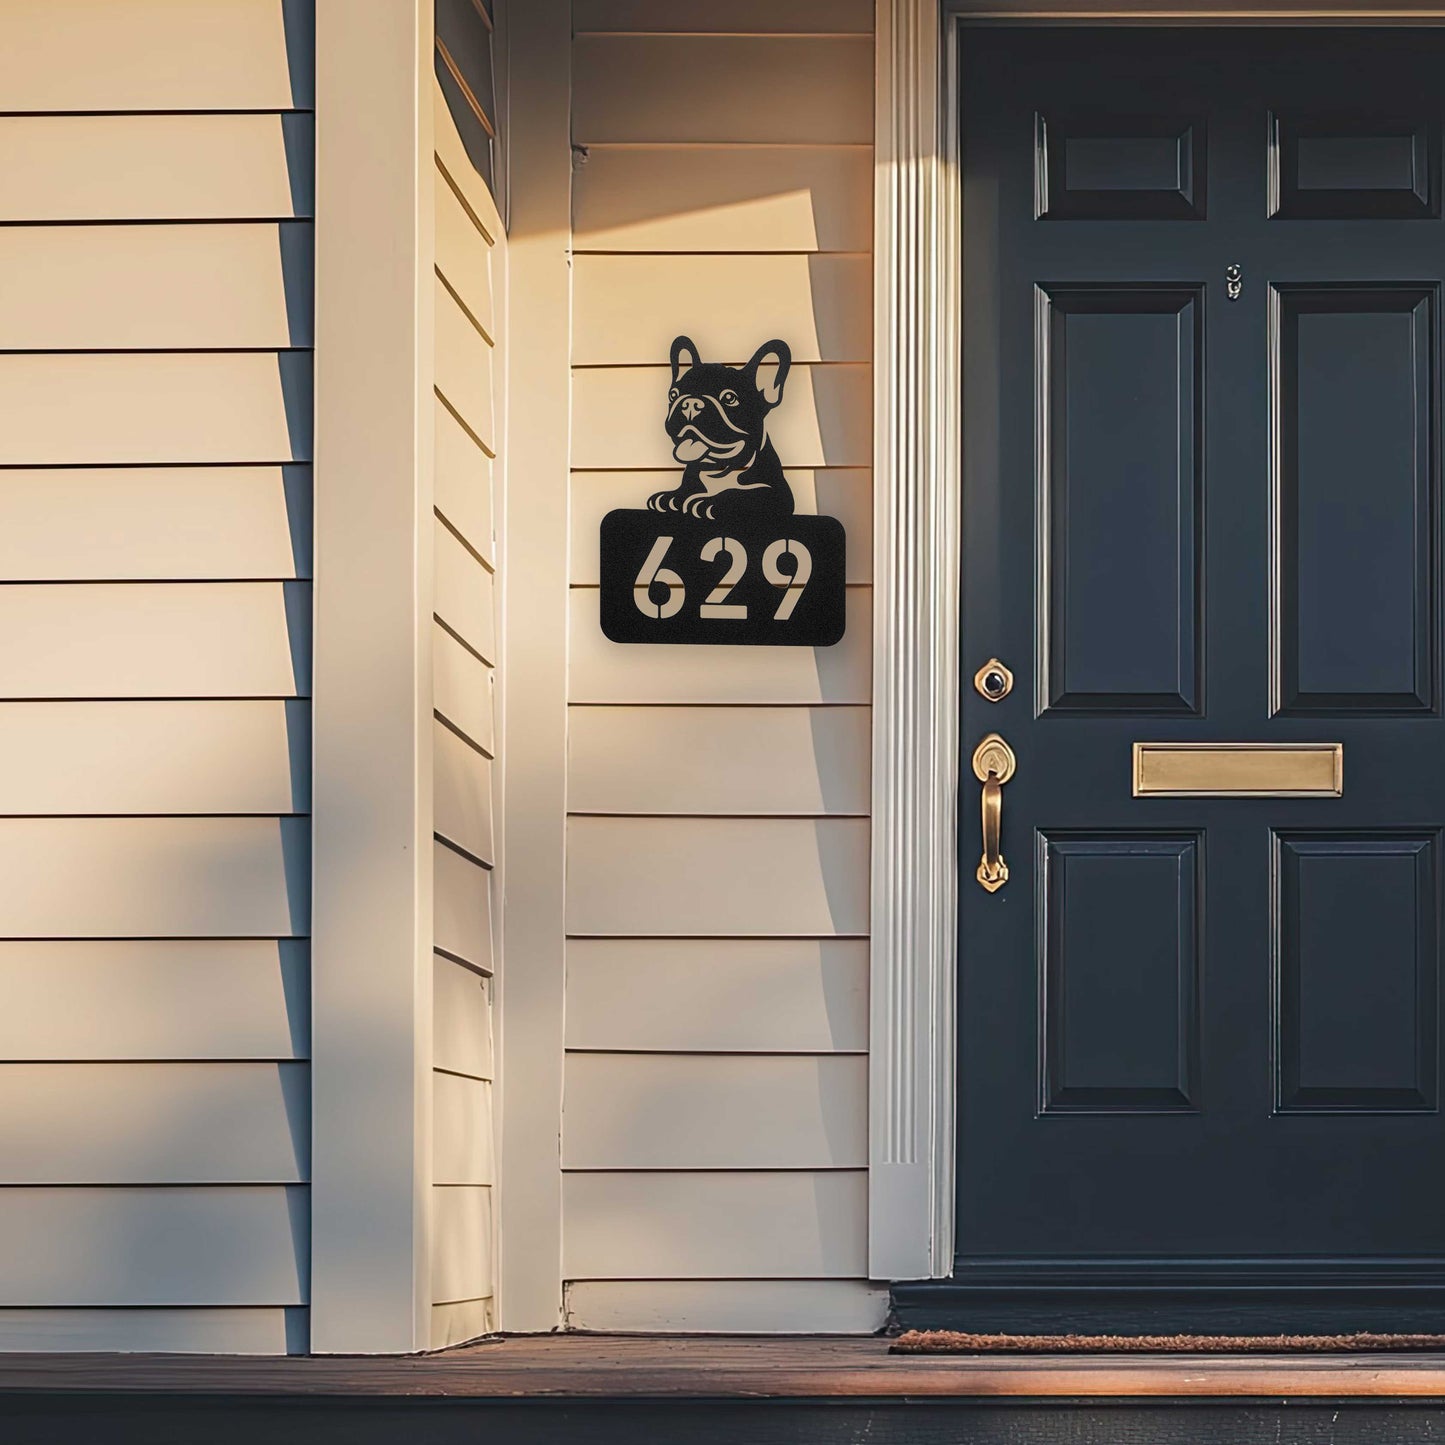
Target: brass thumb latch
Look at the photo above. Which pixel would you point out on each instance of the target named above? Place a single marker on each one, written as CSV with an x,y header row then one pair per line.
x,y
993,766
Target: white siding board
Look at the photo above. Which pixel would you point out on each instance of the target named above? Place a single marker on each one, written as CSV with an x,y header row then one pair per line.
x,y
722,88
462,688
153,1123
825,419
116,288
722,760
115,999
165,639
741,16
703,1111
744,995
201,1245
251,1331
104,524
728,1306
461,1131
92,55
464,367
463,789
455,1324
464,256
782,1224
154,878
648,877
461,1020
154,167
845,493
154,757
601,671
465,595
461,1264
724,198
464,483
625,308
462,908
89,409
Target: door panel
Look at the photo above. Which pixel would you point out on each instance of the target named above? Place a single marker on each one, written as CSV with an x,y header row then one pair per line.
x,y
1119,397
1199,1035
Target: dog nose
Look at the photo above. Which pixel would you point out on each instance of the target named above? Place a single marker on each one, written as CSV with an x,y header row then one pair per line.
x,y
691,407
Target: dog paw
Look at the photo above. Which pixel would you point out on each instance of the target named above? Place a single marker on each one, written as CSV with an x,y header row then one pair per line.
x,y
699,506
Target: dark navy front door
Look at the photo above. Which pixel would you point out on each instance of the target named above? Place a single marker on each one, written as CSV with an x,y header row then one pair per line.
x,y
1199,1035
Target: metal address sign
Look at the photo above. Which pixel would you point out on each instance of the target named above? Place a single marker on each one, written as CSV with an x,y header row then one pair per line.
x,y
722,558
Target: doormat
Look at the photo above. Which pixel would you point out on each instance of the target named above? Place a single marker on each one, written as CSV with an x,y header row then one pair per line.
x,y
952,1342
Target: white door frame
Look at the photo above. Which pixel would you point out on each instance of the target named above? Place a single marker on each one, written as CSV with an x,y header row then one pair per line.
x,y
917,368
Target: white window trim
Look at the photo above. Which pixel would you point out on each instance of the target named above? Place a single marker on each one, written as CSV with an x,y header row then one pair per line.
x,y
916,456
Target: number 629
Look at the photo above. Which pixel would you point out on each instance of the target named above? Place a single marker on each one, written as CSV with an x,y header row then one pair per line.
x,y
717,604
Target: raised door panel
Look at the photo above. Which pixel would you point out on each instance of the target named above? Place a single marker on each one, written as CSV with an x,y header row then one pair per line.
x,y
1115,168
1356,953
1355,498
1354,168
1120,398
1120,1019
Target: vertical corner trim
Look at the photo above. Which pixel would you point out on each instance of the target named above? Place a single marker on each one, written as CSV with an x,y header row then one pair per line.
x,y
915,669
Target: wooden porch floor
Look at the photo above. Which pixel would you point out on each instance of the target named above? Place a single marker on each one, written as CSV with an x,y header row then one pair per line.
x,y
709,1367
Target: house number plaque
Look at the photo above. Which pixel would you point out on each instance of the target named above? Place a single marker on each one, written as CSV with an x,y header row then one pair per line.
x,y
722,557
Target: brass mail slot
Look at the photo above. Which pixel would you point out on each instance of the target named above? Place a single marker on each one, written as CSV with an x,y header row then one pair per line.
x,y
1238,770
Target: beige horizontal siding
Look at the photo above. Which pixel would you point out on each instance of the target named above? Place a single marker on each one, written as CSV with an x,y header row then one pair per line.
x,y
701,1111
153,1123
154,877
722,88
463,794
845,493
112,999
728,1306
464,483
464,367
171,639
99,409
456,168
115,288
625,308
95,55
718,995
111,524
462,1131
718,760
252,1331
465,595
824,419
461,1264
463,689
464,256
156,1246
226,756
461,1020
782,1224
724,198
608,672
643,877
759,16
462,907
155,167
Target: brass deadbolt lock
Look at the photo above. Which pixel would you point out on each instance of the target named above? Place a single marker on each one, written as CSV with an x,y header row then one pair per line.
x,y
993,681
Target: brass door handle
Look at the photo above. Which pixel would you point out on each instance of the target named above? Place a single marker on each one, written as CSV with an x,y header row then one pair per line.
x,y
993,766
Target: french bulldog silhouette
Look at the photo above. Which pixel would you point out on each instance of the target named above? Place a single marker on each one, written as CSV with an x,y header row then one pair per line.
x,y
717,417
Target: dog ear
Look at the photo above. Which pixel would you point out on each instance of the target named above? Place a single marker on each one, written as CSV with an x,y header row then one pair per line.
x,y
768,370
684,356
